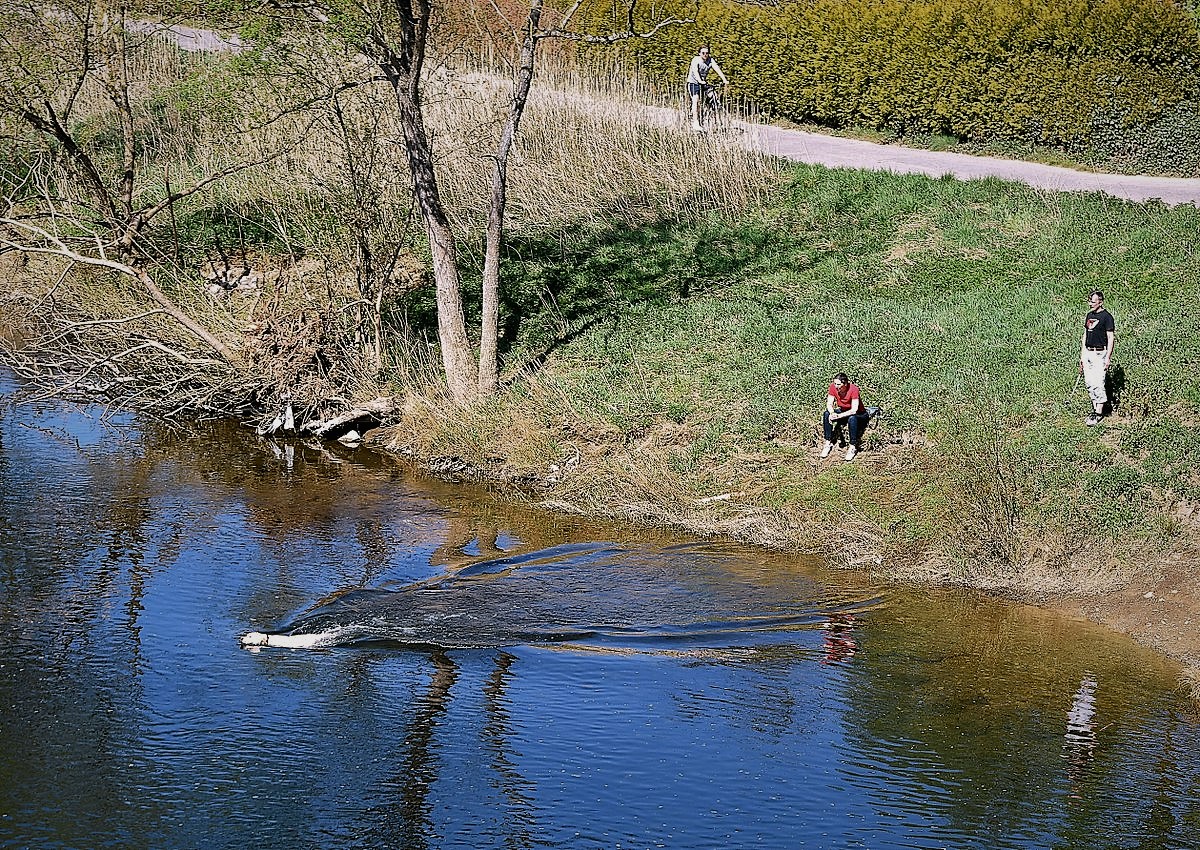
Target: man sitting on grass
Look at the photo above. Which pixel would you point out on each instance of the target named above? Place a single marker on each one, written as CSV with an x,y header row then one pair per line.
x,y
843,406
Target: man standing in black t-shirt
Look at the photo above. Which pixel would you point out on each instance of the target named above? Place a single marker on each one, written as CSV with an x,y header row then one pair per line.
x,y
1095,352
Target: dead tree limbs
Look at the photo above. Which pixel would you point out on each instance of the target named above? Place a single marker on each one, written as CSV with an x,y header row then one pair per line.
x,y
51,243
357,420
79,195
631,31
64,353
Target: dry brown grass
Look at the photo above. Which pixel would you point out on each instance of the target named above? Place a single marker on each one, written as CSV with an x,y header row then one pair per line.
x,y
584,155
1189,683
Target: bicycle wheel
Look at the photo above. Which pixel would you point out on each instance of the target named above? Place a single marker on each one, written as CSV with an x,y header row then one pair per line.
x,y
718,117
723,121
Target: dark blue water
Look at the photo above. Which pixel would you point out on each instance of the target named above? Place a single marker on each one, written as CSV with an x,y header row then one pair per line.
x,y
500,677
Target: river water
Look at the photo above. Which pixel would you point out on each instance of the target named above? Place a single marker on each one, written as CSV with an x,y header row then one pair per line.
x,y
493,676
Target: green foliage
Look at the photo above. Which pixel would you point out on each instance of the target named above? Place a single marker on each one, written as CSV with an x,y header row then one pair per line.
x,y
236,229
1171,143
1112,78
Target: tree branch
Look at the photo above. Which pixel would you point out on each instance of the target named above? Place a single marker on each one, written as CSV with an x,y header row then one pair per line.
x,y
613,37
563,31
51,125
74,327
143,216
55,246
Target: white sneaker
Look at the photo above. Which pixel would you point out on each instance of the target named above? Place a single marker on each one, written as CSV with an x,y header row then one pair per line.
x,y
850,453
825,451
696,128
1092,420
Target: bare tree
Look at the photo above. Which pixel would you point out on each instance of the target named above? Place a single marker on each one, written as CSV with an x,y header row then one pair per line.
x,y
397,46
84,195
395,37
531,35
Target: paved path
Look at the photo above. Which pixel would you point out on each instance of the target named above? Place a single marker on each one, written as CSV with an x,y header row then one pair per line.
x,y
190,39
835,152
852,153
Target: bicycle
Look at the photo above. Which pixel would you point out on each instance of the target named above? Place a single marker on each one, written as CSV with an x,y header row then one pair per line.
x,y
715,116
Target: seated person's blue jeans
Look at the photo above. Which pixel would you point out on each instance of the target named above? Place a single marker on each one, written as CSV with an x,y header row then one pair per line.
x,y
856,423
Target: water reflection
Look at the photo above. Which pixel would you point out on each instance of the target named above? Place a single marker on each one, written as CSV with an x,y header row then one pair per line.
x,y
499,734
980,722
1080,746
696,694
840,643
406,820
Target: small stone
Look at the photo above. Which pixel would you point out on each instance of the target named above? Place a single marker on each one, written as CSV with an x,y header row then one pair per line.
x,y
1149,595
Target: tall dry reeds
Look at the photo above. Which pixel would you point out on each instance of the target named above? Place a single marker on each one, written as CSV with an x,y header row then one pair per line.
x,y
594,150
588,151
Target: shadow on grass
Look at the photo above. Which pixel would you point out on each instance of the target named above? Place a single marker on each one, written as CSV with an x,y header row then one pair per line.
x,y
560,283
1114,385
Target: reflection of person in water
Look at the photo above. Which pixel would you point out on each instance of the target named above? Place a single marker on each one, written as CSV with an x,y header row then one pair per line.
x,y
1080,745
840,644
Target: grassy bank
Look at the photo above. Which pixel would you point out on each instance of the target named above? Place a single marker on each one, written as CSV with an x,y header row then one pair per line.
x,y
956,306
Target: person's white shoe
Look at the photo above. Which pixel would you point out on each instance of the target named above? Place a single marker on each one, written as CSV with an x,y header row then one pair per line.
x,y
1092,420
825,451
851,452
696,128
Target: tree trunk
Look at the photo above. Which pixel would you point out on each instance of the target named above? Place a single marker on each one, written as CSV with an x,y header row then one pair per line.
x,y
403,70
489,366
457,357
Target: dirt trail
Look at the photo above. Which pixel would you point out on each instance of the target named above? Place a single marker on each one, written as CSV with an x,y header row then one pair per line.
x,y
837,152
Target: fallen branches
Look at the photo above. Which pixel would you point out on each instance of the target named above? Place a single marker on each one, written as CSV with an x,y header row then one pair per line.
x,y
357,419
141,361
44,241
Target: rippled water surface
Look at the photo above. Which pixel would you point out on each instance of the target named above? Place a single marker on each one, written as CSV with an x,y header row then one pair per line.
x,y
488,676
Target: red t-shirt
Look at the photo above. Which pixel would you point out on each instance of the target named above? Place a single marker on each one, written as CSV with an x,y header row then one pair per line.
x,y
843,397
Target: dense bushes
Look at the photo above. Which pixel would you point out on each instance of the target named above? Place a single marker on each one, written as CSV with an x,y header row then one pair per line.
x,y
1115,78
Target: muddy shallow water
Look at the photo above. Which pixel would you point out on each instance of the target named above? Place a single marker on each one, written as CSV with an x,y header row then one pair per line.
x,y
489,676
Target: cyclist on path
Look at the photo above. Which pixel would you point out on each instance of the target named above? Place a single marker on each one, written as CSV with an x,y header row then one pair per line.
x,y
697,81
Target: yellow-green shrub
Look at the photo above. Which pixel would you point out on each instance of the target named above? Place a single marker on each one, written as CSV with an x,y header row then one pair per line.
x,y
1069,73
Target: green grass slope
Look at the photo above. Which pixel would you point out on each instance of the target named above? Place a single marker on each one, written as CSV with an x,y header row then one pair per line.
x,y
689,385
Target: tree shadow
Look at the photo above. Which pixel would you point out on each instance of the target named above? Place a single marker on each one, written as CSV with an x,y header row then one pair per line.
x,y
560,283
1115,384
